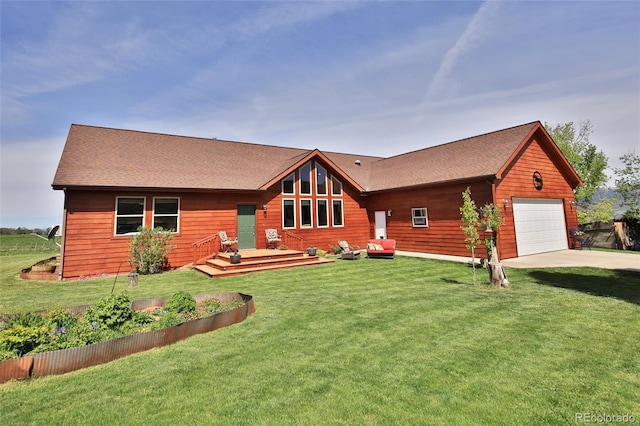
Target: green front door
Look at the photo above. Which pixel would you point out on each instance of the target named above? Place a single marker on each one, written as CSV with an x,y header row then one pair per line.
x,y
246,227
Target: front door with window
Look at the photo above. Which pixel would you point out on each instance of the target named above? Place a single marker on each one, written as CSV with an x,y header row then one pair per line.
x,y
246,227
381,225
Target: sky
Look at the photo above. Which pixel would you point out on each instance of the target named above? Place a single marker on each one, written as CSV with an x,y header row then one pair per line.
x,y
373,78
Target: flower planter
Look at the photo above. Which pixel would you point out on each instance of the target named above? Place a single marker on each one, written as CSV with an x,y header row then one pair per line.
x,y
67,360
311,251
235,258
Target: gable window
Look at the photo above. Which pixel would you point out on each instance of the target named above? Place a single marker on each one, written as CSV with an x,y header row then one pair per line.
x,y
321,180
323,213
419,217
338,220
336,186
129,214
166,213
288,214
288,186
305,213
305,179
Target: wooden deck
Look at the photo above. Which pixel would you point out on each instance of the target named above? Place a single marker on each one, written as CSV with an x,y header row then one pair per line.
x,y
257,261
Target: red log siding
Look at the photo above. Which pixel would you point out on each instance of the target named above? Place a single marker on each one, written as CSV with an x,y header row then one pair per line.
x,y
518,183
443,202
91,248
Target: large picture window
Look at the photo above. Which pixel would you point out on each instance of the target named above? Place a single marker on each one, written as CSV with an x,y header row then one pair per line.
x,y
338,219
288,186
166,213
305,213
336,186
305,179
322,212
419,217
129,215
321,180
288,214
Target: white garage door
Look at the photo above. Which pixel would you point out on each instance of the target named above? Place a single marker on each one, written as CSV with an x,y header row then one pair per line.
x,y
540,226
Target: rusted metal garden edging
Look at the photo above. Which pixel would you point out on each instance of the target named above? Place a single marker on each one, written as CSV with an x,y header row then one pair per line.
x,y
67,360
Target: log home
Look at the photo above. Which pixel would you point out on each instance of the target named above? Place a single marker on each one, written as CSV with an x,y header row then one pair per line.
x,y
117,180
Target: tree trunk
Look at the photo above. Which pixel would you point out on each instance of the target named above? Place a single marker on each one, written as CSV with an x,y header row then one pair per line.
x,y
496,271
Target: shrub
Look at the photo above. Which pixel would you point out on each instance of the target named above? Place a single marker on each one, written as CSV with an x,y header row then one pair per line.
x,y
148,249
181,302
110,311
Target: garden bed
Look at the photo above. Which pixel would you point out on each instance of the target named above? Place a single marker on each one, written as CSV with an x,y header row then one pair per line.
x,y
67,360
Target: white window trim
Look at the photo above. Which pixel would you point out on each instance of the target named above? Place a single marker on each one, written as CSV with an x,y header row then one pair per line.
x,y
293,200
116,215
293,177
333,221
310,178
425,217
177,215
310,213
326,184
340,182
318,213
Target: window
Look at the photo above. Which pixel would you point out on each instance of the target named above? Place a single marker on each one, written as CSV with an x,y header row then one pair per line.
x,y
129,214
337,213
305,213
336,186
321,180
323,213
288,186
165,213
288,214
419,217
305,179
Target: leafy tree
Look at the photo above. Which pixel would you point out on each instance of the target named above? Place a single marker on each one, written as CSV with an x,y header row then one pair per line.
x,y
589,162
470,222
628,184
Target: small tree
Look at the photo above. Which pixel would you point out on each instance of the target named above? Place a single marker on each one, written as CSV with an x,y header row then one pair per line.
x,y
470,219
628,184
149,249
491,222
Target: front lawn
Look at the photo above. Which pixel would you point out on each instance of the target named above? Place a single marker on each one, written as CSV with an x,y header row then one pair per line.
x,y
408,341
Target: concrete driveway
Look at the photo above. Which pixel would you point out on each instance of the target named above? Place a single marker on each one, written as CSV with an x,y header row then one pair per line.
x,y
563,258
556,259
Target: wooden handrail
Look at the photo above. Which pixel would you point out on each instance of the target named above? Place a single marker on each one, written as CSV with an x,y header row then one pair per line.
x,y
293,241
206,248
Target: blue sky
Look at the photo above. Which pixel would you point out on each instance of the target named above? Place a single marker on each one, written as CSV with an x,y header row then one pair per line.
x,y
375,78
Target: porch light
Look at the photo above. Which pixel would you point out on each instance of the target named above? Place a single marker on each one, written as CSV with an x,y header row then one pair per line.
x,y
389,212
506,203
264,207
573,204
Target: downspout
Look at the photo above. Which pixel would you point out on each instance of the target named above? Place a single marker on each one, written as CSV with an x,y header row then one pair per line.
x,y
64,235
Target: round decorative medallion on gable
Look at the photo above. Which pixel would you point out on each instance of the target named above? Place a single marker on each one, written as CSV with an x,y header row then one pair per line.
x,y
537,180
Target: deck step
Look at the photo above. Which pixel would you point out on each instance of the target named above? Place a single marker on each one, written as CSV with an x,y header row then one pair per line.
x,y
258,260
218,273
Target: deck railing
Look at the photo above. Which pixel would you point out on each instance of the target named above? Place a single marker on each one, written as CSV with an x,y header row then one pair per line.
x,y
293,241
206,248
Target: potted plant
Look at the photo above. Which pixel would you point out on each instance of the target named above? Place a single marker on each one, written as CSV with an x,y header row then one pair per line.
x,y
311,251
235,257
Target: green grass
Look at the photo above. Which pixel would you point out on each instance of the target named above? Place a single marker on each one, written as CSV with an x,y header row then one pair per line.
x,y
408,341
21,244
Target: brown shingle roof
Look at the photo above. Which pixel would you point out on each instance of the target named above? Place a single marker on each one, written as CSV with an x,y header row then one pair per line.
x,y
103,157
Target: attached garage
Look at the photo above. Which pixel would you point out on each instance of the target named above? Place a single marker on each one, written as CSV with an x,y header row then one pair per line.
x,y
540,226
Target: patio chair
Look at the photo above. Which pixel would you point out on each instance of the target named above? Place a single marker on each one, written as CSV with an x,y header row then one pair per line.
x,y
578,238
226,242
273,238
349,252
